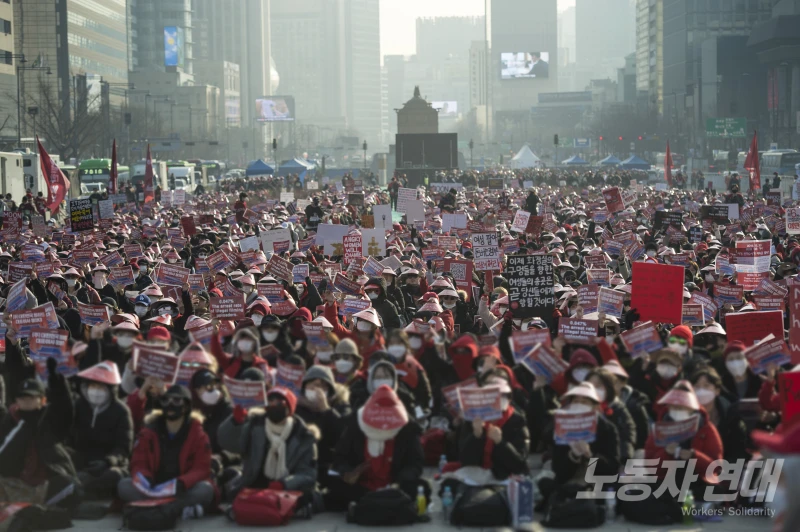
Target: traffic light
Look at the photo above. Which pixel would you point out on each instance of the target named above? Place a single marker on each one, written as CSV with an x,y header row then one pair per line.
x,y
274,144
640,137
555,139
601,137
620,138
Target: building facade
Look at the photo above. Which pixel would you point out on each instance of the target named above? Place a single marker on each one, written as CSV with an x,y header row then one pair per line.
x,y
650,52
605,33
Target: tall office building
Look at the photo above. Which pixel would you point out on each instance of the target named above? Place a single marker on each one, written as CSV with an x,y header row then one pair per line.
x,y
162,33
363,67
8,78
650,52
440,38
566,35
605,33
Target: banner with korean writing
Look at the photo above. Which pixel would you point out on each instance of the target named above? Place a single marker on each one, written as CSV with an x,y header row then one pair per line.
x,y
81,217
486,251
47,343
530,282
793,220
770,350
280,268
544,362
571,427
642,339
93,314
43,317
150,362
748,327
171,275
610,302
480,403
247,394
668,432
290,376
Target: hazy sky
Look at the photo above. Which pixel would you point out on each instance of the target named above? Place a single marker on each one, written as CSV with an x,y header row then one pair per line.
x,y
398,19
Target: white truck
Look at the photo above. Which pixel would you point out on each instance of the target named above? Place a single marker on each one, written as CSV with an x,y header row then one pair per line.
x,y
32,168
12,175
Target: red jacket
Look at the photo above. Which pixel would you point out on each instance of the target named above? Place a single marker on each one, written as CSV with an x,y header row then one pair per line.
x,y
607,353
768,398
195,456
365,347
706,444
230,364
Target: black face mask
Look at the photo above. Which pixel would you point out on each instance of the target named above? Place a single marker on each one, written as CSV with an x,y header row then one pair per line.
x,y
277,414
412,288
173,412
30,415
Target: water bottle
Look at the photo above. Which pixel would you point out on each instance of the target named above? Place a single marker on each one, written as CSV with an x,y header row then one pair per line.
x,y
422,504
688,506
611,506
442,463
447,503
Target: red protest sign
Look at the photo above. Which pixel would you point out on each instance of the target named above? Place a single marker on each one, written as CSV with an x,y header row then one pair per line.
x,y
189,228
543,361
610,302
789,387
770,350
227,308
693,316
246,394
523,341
290,376
573,427
149,362
280,268
352,248
613,200
587,297
345,285
196,282
657,292
642,339
480,403
748,327
667,432
41,317
577,330
93,314
171,275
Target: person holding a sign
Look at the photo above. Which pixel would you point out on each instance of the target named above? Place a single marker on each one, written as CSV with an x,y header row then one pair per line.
x,y
172,451
246,346
614,410
665,370
367,332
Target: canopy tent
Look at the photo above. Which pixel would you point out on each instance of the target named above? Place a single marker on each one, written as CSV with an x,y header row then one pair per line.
x,y
296,166
634,163
525,158
610,160
259,167
574,160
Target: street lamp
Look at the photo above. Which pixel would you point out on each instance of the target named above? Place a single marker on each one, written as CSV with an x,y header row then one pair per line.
x,y
364,147
471,146
21,67
33,111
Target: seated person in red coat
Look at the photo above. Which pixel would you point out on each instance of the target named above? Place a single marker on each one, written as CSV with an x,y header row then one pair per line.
x,y
172,447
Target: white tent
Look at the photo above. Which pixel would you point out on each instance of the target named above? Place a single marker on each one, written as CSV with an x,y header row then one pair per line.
x,y
525,158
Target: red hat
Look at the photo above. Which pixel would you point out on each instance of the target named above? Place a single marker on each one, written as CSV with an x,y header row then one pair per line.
x,y
682,394
383,410
159,333
582,357
490,351
683,331
288,396
733,347
105,372
785,440
135,265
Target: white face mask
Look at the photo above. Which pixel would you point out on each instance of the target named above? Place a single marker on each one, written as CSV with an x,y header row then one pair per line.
x,y
737,367
210,398
344,366
372,295
678,348
579,408
202,256
300,291
679,415
601,394
247,289
363,326
415,343
135,274
705,396
269,336
377,383
324,356
579,374
97,396
125,341
666,371
504,403
99,281
257,319
140,310
396,351
311,394
501,310
651,254
570,253
449,305
709,278
71,282
172,261
245,345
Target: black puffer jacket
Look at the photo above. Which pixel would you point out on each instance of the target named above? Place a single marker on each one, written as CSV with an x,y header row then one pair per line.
x,y
385,308
509,457
104,435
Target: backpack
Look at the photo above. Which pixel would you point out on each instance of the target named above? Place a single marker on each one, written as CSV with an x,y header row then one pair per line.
x,y
480,506
569,512
265,507
652,511
387,507
152,514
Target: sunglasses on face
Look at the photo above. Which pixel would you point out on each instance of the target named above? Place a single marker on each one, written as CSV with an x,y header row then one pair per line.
x,y
679,341
171,401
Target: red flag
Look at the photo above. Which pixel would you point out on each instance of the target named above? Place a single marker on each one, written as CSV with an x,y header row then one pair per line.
x,y
112,178
668,166
57,182
751,164
149,194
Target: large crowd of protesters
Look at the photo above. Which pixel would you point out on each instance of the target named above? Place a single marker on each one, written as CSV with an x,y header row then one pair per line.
x,y
368,424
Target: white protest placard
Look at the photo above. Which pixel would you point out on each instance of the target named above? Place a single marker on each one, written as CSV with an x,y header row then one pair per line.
x,y
415,210
287,197
106,208
331,232
733,210
179,197
249,243
793,221
454,221
312,185
383,216
373,242
268,238
486,251
302,204
404,195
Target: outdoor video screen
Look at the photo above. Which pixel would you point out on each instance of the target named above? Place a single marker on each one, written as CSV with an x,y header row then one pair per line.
x,y
525,65
448,108
275,109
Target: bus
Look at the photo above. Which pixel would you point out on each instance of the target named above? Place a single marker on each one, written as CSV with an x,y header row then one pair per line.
x,y
781,161
93,176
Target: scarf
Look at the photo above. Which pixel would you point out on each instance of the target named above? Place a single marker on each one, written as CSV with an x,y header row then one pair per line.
x,y
376,438
275,464
488,445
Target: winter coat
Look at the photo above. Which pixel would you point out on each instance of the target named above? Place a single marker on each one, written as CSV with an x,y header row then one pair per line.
x,y
732,431
638,406
213,417
106,435
618,414
365,347
250,441
605,448
232,365
195,454
509,457
385,308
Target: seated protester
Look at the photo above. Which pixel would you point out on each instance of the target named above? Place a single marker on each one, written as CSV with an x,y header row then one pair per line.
x,y
212,401
614,410
666,368
489,359
679,404
246,346
117,347
501,445
581,362
275,341
366,333
635,402
680,340
278,449
381,372
172,446
738,380
346,362
103,431
722,413
379,447
409,370
571,461
32,453
376,292
324,404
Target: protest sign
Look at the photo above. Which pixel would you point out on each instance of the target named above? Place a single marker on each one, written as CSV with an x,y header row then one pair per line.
x,y
753,256
597,261
404,195
793,220
657,292
530,282
273,292
769,303
450,394
610,302
171,275
248,244
486,251
218,261
280,268
345,285
269,238
246,394
299,273
748,327
373,242
227,308
693,315
42,317
17,297
105,209
642,339
769,350
18,271
351,245
196,282
47,343
372,267
383,216
93,314
453,221
480,403
587,297
789,389
520,221
462,273
521,342
599,277
544,362
709,306
578,330
132,251
81,217
571,427
667,432
290,376
715,213
663,219
728,294
151,362
351,306
112,259
613,200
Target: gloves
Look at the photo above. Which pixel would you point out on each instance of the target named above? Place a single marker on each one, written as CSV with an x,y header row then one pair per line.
x,y
276,485
239,414
52,366
180,487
